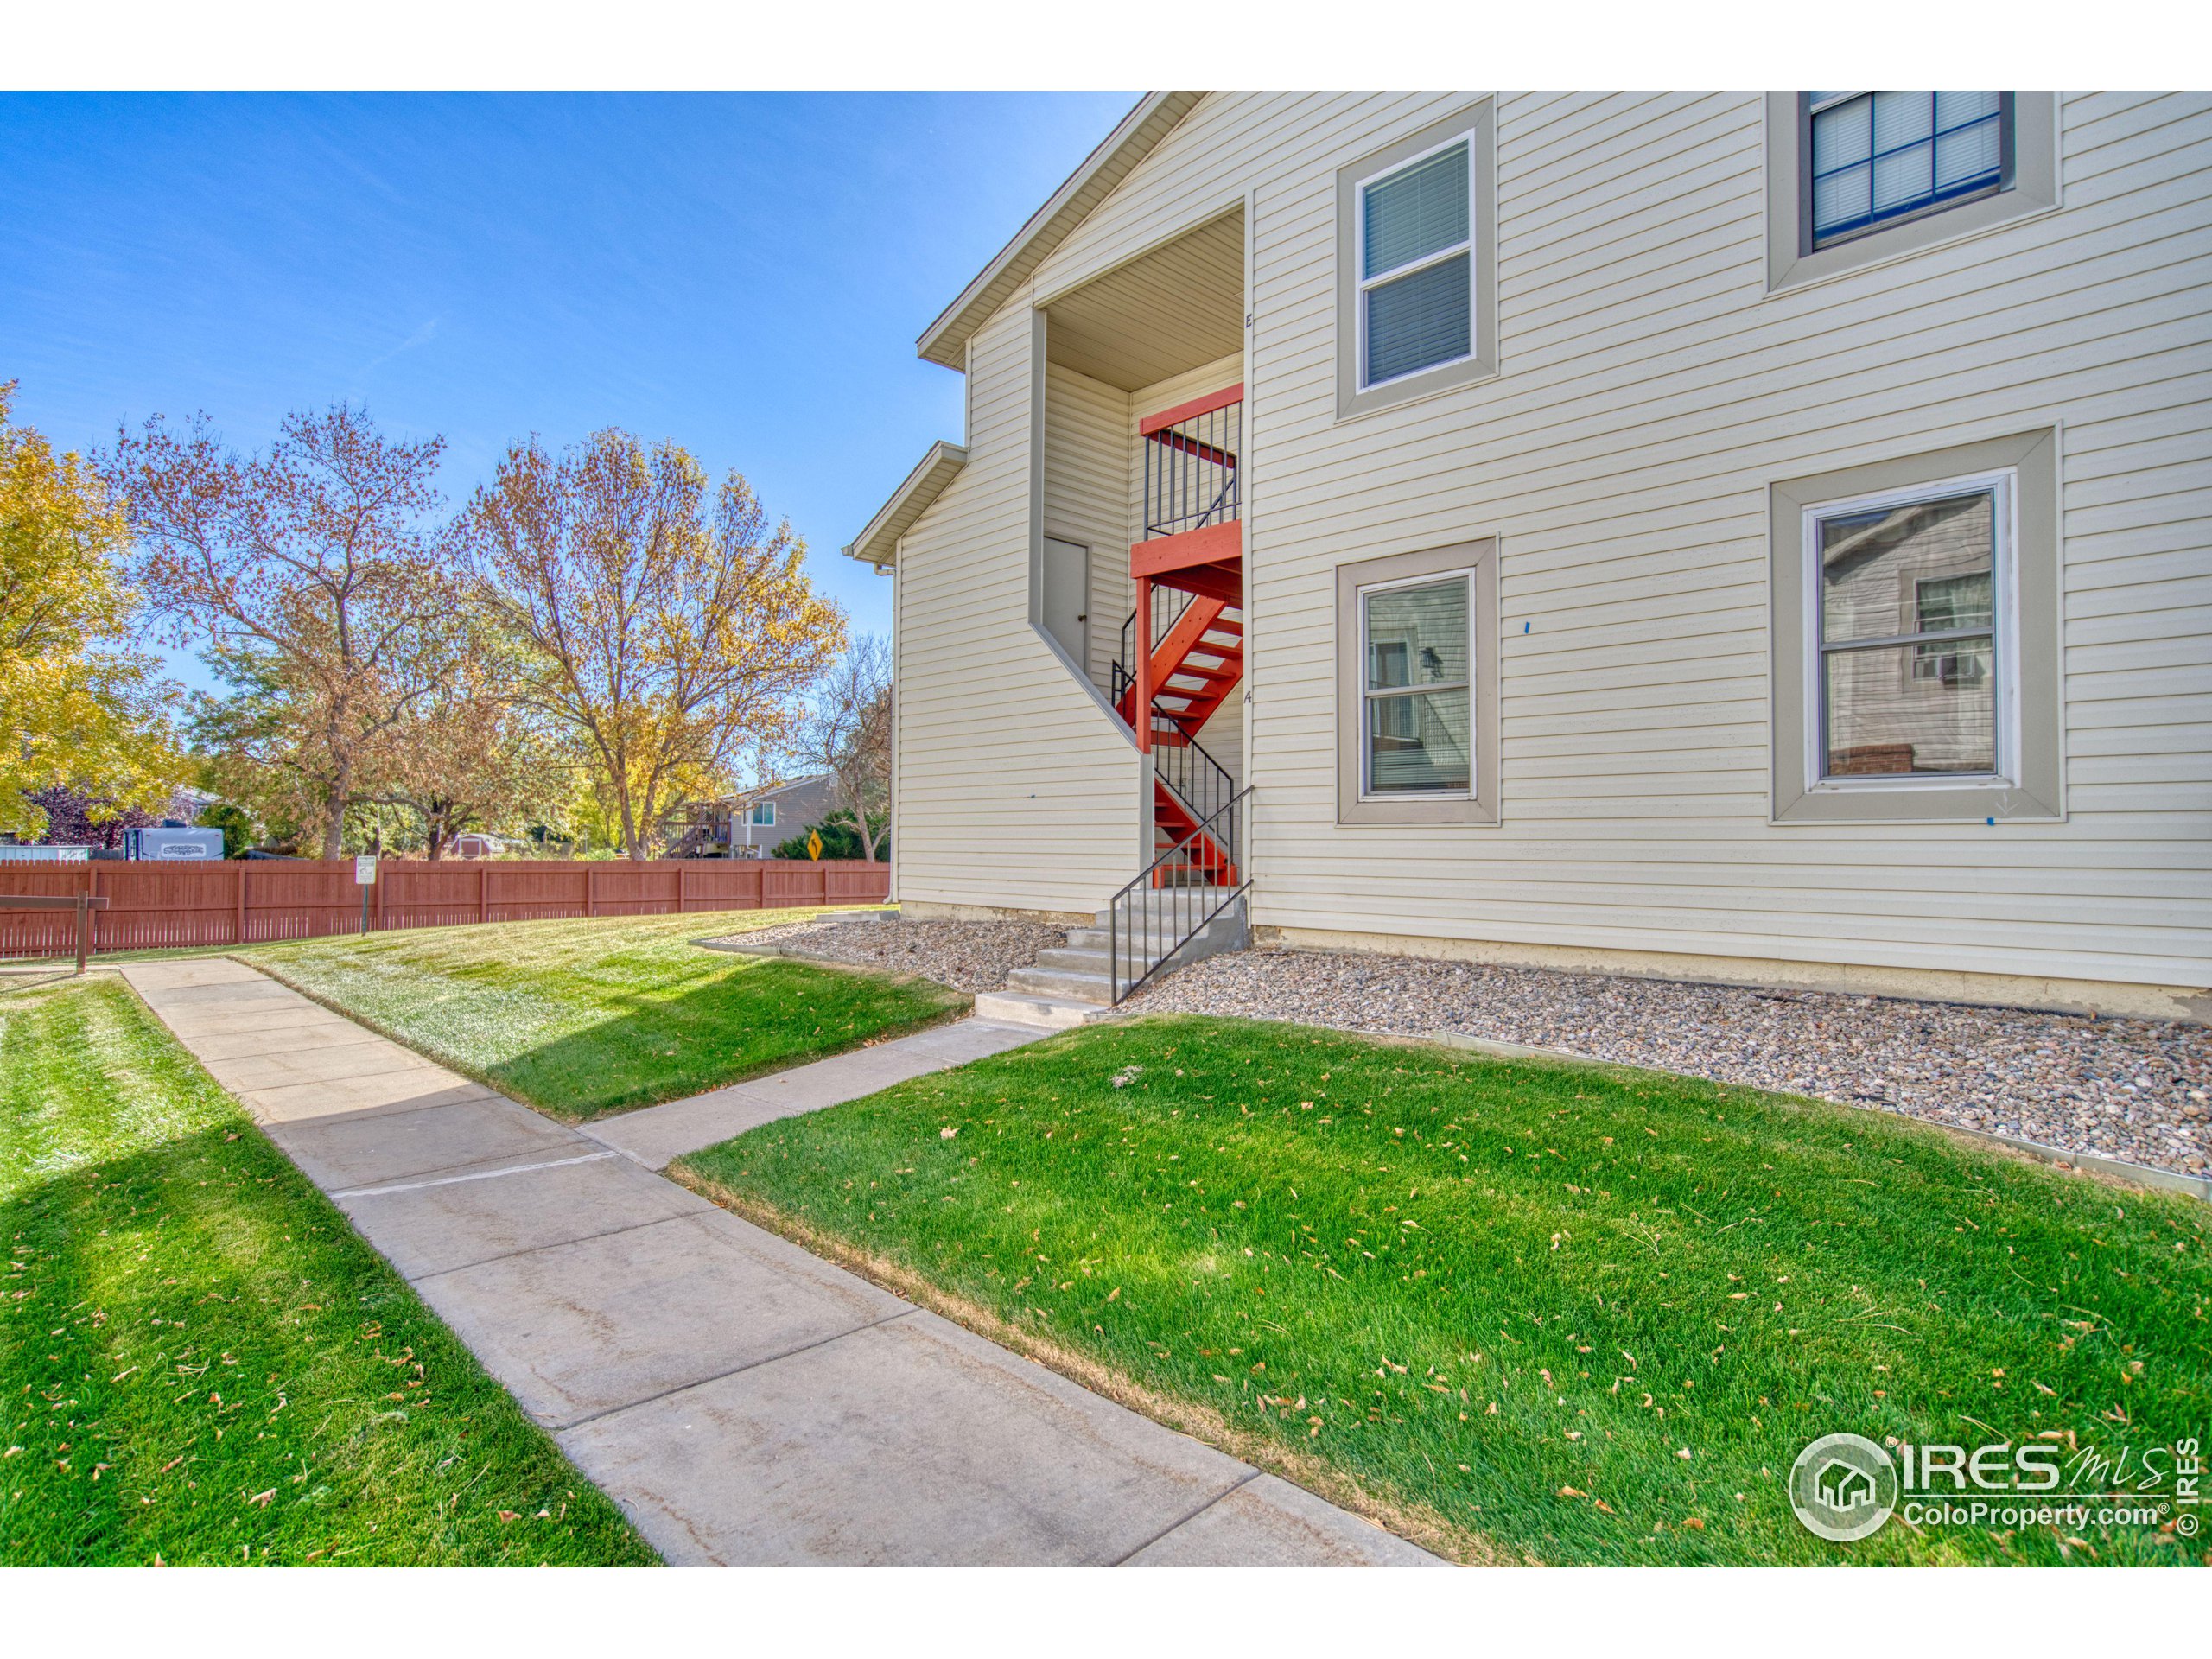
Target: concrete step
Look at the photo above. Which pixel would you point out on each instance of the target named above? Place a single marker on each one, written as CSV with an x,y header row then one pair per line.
x,y
1071,984
1014,1008
1090,939
1076,961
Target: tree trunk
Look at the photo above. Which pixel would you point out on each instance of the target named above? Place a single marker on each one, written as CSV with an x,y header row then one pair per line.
x,y
860,822
629,817
333,813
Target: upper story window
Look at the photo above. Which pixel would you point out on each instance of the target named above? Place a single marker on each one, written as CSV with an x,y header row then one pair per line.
x,y
764,813
1857,178
1876,157
1416,270
1416,264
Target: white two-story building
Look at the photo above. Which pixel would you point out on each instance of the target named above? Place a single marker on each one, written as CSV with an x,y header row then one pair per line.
x,y
1759,538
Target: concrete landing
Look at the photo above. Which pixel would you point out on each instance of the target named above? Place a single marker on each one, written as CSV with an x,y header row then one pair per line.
x,y
744,1401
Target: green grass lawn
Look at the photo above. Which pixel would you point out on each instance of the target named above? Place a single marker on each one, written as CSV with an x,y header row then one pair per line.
x,y
1530,1310
580,1018
199,1360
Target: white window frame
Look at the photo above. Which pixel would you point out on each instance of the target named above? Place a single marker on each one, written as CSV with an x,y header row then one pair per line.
x,y
2002,487
1364,285
754,818
1465,575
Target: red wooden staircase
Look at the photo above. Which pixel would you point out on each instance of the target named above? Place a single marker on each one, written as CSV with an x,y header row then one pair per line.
x,y
1189,572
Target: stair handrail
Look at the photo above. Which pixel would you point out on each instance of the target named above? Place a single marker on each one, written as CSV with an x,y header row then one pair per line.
x,y
1189,915
1222,783
1177,444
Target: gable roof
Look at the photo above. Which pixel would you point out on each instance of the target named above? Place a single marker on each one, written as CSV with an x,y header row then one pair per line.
x,y
1155,116
879,543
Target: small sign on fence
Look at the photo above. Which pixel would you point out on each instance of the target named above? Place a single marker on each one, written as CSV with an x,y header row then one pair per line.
x,y
364,870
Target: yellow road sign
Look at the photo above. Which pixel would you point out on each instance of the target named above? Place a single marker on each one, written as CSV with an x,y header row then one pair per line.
x,y
814,844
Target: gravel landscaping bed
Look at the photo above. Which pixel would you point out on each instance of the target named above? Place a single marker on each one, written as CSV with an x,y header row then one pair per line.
x,y
2135,1090
967,956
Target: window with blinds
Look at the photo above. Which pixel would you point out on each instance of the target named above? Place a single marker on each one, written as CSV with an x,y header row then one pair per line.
x,y
1416,266
1879,157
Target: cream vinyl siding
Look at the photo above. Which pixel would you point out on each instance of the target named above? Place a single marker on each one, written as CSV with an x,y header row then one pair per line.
x,y
1086,435
1649,390
1015,788
1223,736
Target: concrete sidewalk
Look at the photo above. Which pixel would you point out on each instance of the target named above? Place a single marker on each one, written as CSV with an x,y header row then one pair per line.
x,y
657,1134
745,1401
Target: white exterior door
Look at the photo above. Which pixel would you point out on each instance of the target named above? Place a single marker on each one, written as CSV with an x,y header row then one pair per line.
x,y
1066,604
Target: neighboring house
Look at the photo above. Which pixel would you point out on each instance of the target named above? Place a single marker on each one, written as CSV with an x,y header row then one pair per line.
x,y
1754,538
478,844
747,825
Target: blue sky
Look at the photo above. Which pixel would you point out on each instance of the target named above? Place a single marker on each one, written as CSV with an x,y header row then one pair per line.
x,y
743,274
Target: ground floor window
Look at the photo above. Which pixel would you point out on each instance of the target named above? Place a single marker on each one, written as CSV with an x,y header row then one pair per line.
x,y
1419,651
1910,589
1917,666
1417,687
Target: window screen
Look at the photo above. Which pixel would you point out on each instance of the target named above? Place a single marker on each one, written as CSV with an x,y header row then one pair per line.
x,y
1908,638
1416,681
1416,267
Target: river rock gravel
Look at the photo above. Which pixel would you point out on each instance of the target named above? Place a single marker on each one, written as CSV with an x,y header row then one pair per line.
x,y
967,956
2137,1090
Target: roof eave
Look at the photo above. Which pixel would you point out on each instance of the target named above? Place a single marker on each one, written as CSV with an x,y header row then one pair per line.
x,y
878,544
1155,116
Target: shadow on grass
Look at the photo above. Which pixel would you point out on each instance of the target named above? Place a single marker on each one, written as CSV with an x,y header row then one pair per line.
x,y
1587,1313
202,1364
657,1046
588,1034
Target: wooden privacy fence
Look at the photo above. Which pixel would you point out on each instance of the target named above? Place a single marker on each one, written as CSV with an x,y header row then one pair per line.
x,y
157,906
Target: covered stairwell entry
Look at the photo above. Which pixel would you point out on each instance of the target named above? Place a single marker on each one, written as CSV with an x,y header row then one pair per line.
x,y
1182,656
1181,660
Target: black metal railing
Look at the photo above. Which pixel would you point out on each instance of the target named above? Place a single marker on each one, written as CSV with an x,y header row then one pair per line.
x,y
1176,895
1191,472
1200,784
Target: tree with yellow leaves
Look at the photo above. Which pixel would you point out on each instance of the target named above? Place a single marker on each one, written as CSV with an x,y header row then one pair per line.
x,y
669,632
78,706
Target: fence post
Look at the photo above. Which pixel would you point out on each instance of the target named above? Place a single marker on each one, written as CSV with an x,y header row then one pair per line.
x,y
379,893
87,923
591,890
239,925
481,872
683,892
